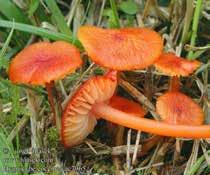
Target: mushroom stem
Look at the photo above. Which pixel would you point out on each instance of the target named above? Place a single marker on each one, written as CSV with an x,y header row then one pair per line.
x,y
174,84
52,94
156,127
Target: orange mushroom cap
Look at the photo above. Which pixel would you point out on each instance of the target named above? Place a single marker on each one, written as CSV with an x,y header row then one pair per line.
x,y
127,106
121,49
177,108
77,120
43,62
173,65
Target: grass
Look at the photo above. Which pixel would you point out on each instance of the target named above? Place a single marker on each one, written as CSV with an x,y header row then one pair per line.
x,y
22,106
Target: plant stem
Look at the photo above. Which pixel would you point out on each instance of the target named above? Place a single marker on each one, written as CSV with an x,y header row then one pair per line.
x,y
147,125
174,84
195,26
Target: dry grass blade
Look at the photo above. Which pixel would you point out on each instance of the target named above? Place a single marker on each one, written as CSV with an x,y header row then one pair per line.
x,y
128,160
193,157
139,97
136,147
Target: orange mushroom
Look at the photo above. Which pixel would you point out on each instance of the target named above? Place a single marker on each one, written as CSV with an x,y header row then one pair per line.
x,y
177,108
78,121
127,106
44,62
121,49
92,100
155,127
172,65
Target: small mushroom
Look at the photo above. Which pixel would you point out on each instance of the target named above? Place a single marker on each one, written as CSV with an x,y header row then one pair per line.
x,y
179,109
172,65
44,62
175,66
127,106
174,107
121,49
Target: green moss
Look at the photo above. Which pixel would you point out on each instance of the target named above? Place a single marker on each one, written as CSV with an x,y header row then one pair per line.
x,y
52,137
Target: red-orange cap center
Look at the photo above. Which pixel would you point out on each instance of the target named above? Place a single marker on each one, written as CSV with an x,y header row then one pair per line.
x,y
177,108
43,62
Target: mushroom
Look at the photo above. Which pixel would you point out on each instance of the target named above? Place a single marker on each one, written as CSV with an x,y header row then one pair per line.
x,y
147,125
175,66
127,106
121,49
91,101
42,63
172,65
109,48
175,107
179,109
78,121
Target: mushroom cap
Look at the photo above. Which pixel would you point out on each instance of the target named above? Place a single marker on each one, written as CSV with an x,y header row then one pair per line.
x,y
121,49
179,109
77,120
127,106
43,62
173,65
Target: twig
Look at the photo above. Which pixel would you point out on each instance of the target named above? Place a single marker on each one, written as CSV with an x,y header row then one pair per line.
x,y
128,161
91,147
114,151
148,166
136,147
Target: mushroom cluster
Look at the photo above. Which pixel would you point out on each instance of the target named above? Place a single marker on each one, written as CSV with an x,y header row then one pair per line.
x,y
116,50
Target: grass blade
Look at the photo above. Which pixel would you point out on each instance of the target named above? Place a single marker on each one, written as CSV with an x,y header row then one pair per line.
x,y
116,17
12,12
58,17
41,32
195,26
8,157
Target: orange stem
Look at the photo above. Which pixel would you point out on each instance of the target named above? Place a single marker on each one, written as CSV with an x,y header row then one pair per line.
x,y
174,84
156,127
